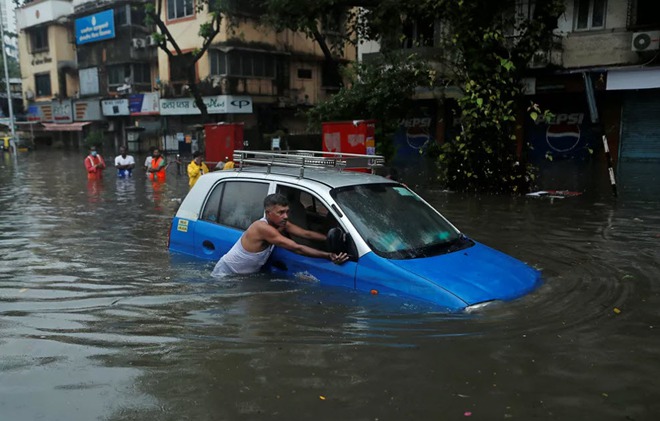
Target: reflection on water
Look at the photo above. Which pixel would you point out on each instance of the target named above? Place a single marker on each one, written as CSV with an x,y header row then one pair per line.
x,y
99,321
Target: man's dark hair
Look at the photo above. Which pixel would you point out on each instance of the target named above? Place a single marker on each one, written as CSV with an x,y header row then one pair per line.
x,y
196,154
275,199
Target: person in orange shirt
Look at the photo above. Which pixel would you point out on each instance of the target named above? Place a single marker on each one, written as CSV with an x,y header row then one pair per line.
x,y
94,164
158,167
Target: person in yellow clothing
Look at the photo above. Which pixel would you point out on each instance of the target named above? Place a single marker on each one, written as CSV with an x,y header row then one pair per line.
x,y
229,164
196,168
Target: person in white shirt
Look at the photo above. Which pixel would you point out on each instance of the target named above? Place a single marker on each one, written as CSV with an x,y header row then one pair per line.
x,y
124,163
150,156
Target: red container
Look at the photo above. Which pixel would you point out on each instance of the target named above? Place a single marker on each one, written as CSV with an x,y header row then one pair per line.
x,y
222,139
355,136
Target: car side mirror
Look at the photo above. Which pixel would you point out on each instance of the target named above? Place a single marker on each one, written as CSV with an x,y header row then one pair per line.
x,y
336,240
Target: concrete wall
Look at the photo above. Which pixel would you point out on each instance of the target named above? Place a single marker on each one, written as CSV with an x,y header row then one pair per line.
x,y
304,52
588,48
59,50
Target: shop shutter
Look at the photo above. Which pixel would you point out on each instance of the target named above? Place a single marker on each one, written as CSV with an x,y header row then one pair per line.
x,y
640,133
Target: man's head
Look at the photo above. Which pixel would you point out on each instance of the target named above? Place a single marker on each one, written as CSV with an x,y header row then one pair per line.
x,y
92,150
122,151
276,207
156,153
198,157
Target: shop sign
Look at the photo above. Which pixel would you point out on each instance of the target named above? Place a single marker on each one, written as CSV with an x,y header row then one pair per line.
x,y
62,111
87,110
97,27
219,104
144,104
114,107
40,112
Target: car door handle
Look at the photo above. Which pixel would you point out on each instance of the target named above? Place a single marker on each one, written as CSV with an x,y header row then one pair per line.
x,y
208,245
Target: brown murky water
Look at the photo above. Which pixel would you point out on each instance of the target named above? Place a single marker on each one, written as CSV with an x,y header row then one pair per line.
x,y
99,321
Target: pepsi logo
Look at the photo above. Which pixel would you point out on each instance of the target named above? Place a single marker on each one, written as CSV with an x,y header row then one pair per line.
x,y
562,137
418,131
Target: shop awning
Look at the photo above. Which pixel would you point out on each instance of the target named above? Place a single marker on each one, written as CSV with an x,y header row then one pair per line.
x,y
633,79
65,127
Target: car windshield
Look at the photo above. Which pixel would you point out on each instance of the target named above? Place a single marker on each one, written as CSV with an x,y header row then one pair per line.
x,y
396,223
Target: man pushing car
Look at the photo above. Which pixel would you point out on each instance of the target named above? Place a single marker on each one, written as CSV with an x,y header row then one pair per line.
x,y
255,246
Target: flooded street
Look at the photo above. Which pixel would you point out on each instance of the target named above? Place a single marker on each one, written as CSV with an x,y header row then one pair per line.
x,y
98,321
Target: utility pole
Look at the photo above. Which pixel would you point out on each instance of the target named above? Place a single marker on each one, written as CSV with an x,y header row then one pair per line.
x,y
12,141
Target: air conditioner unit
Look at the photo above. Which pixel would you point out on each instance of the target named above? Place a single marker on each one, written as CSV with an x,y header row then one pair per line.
x,y
151,41
138,43
646,41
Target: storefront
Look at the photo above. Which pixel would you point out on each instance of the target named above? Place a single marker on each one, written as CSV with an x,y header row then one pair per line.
x,y
183,132
640,125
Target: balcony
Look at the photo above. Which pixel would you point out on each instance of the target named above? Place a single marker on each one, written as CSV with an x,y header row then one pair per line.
x,y
33,14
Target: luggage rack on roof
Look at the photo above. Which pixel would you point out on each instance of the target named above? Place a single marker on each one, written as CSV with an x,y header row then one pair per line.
x,y
308,159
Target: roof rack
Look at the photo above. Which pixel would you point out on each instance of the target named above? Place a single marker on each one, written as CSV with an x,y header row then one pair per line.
x,y
308,159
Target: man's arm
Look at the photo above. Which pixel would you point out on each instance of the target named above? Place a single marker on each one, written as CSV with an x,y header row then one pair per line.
x,y
294,229
273,236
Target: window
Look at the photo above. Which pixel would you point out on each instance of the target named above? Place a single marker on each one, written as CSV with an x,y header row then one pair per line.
x,y
243,63
418,33
304,73
121,17
39,39
308,212
42,84
179,9
132,74
403,228
236,203
590,14
647,14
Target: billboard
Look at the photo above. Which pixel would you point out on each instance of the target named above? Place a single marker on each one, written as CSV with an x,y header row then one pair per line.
x,y
97,27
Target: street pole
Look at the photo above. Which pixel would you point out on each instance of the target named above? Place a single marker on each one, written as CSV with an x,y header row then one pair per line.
x,y
12,141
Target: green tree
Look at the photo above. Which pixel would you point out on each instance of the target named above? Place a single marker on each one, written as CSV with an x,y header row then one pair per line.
x,y
382,89
485,48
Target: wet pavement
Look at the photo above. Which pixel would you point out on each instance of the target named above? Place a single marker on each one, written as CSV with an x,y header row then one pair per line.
x,y
99,321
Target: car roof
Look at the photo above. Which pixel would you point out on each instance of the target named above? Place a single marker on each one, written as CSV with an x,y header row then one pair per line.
x,y
319,180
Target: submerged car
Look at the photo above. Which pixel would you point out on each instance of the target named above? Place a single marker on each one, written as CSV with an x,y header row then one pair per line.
x,y
398,244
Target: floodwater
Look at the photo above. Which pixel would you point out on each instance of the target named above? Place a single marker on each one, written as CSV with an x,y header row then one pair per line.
x,y
99,322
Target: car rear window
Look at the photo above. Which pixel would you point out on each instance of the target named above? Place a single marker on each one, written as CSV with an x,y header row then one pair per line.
x,y
235,203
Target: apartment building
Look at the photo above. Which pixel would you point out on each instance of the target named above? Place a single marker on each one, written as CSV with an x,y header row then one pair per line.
x,y
251,74
94,66
77,57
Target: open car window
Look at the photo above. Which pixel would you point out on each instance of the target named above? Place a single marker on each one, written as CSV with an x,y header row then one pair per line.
x,y
308,211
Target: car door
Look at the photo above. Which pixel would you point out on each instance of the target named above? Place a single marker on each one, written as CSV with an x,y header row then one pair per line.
x,y
318,218
229,210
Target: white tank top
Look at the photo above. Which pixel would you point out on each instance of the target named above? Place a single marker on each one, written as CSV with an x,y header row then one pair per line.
x,y
240,261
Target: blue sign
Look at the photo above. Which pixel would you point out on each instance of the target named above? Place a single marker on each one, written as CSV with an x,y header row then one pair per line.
x,y
97,27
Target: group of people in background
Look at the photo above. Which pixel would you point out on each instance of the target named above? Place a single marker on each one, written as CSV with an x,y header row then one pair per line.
x,y
155,165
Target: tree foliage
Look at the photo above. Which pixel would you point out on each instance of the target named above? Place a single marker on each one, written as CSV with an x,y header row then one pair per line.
x,y
381,89
485,46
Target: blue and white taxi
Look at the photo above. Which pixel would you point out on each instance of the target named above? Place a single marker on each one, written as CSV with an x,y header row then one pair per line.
x,y
398,243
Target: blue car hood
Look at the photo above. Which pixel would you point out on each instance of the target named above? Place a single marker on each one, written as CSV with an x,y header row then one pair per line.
x,y
476,274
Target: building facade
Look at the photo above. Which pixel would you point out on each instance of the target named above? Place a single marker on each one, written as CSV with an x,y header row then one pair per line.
x,y
602,79
261,77
95,66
